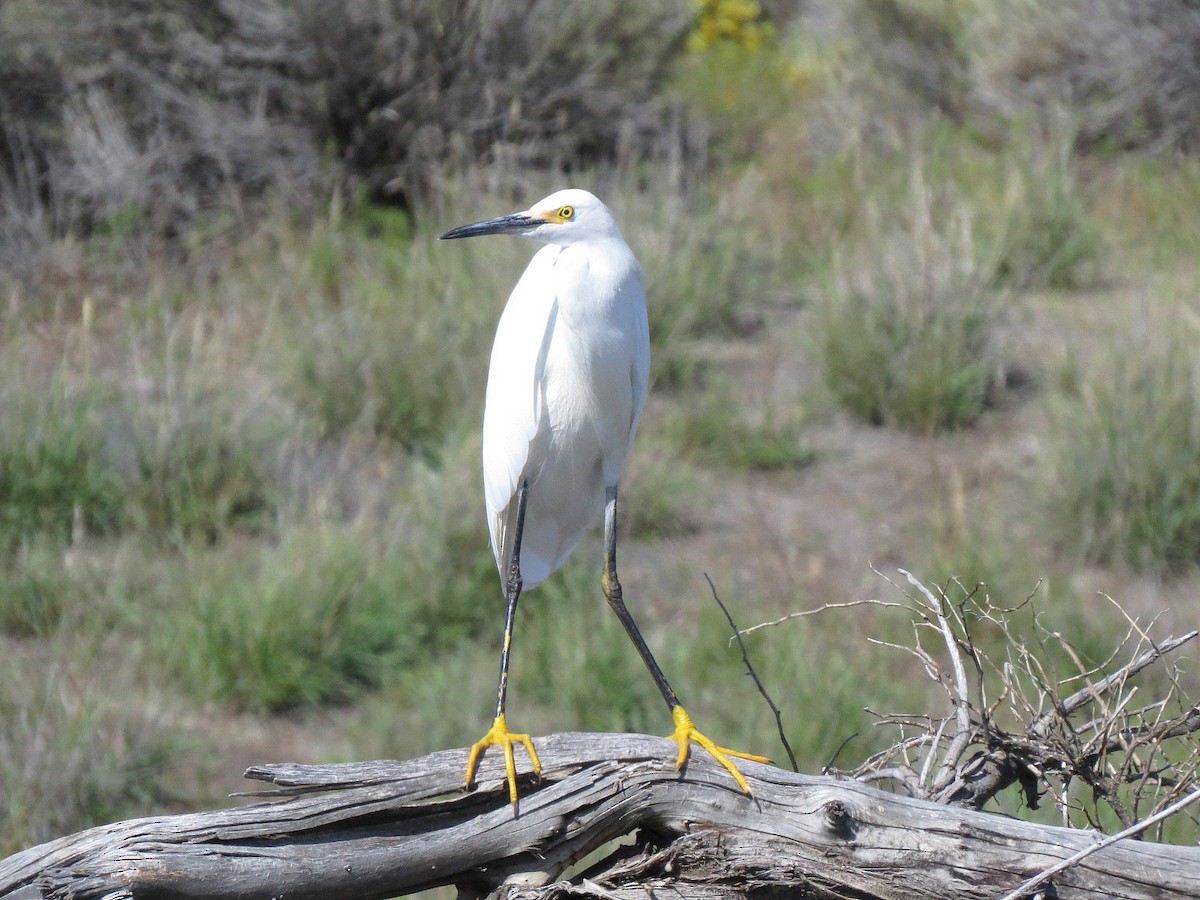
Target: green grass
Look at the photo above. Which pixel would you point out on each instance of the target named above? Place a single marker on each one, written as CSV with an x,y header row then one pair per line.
x,y
74,750
923,249
54,476
1122,477
713,430
709,266
336,609
813,668
35,594
585,673
208,455
1145,204
384,334
1040,223
377,364
574,660
658,492
177,448
574,668
905,323
259,469
307,624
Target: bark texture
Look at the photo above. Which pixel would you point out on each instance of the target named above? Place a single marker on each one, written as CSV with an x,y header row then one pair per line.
x,y
378,829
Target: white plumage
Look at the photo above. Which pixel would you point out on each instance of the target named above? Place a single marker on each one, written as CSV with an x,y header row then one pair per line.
x,y
567,380
568,376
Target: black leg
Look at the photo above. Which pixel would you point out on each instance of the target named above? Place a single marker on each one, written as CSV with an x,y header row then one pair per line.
x,y
512,593
685,729
616,601
499,733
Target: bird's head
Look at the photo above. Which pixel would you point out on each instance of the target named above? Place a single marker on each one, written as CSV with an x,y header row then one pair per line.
x,y
566,217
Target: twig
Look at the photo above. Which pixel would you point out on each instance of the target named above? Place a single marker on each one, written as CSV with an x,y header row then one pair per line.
x,y
1090,692
1026,887
922,778
900,774
750,669
820,609
962,714
877,759
828,767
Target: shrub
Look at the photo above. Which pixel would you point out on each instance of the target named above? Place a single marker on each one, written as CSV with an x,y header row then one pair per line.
x,y
74,751
739,81
737,22
409,89
147,120
390,335
911,49
150,114
1124,71
883,71
1127,70
1122,477
54,475
904,325
337,608
716,429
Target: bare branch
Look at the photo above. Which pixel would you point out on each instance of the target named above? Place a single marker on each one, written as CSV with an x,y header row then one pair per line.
x,y
737,635
1026,888
820,609
1092,691
959,696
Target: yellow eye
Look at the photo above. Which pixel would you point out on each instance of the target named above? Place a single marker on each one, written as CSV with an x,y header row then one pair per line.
x,y
566,212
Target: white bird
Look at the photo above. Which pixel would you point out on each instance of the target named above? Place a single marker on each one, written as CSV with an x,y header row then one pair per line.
x,y
569,371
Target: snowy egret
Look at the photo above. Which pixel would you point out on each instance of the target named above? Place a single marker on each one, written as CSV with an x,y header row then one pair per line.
x,y
569,370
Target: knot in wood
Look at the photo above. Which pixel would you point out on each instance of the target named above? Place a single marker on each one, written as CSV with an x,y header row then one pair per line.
x,y
840,819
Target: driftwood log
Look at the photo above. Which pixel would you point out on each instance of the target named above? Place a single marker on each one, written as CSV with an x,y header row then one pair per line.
x,y
379,829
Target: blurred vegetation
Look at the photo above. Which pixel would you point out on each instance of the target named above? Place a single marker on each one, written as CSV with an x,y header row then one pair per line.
x,y
717,433
1125,486
905,322
240,383
121,119
74,754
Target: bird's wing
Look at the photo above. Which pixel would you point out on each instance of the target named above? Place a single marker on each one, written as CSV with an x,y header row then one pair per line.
x,y
514,404
639,375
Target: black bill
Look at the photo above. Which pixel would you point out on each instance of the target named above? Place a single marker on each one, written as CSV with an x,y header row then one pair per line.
x,y
510,224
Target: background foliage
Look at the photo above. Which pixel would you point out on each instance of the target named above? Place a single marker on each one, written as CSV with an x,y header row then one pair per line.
x,y
922,284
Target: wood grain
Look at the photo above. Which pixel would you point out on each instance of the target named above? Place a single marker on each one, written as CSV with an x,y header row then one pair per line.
x,y
379,829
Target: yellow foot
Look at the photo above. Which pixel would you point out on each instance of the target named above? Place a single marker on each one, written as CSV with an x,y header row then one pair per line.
x,y
685,732
499,734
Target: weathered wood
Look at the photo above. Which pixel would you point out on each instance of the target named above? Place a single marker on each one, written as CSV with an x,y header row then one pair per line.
x,y
385,828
